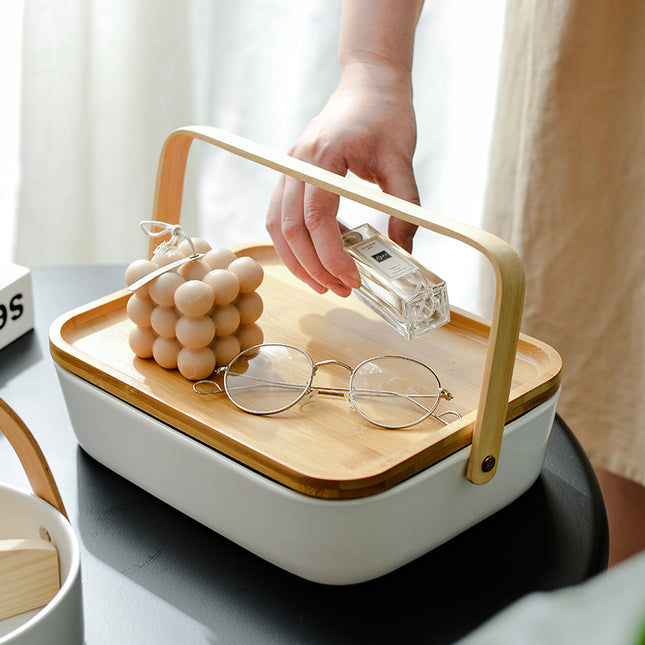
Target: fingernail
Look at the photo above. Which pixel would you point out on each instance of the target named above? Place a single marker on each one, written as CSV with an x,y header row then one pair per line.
x,y
340,289
353,281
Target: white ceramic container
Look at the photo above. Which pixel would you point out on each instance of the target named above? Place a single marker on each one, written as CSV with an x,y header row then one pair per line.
x,y
328,541
22,515
146,426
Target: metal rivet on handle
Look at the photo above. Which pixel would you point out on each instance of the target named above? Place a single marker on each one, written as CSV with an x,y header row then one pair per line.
x,y
488,464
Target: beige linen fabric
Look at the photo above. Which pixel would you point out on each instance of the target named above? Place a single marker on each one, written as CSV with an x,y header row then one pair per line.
x,y
567,190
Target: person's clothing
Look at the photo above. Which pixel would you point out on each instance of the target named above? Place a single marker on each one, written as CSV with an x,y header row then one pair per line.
x,y
567,190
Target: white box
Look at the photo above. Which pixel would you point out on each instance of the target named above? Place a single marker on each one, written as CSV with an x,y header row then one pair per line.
x,y
16,303
329,541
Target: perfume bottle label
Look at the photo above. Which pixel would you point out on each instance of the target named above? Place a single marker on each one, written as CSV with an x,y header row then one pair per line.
x,y
384,259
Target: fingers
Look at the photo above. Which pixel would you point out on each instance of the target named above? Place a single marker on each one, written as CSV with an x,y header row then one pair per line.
x,y
308,242
320,209
282,247
302,223
400,182
401,232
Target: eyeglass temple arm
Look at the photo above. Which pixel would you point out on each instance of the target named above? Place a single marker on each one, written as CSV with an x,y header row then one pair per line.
x,y
508,268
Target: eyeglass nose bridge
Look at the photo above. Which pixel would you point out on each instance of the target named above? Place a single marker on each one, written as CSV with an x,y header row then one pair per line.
x,y
311,392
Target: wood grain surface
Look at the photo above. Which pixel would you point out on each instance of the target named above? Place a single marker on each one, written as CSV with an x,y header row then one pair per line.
x,y
29,575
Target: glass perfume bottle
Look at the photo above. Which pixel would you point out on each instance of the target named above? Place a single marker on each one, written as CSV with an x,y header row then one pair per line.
x,y
395,285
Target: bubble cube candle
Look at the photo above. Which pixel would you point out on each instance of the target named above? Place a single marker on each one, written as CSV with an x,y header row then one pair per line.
x,y
198,316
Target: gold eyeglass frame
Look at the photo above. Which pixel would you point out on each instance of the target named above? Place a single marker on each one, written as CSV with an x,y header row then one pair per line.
x,y
309,391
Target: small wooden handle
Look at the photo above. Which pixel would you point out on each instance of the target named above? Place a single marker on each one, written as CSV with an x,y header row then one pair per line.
x,y
31,457
29,575
509,271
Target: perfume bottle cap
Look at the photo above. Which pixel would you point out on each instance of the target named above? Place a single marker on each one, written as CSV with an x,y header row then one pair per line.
x,y
352,237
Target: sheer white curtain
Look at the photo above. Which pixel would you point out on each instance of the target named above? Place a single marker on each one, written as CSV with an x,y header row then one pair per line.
x,y
97,85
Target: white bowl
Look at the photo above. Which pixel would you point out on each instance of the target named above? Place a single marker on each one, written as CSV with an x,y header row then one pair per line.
x,y
61,620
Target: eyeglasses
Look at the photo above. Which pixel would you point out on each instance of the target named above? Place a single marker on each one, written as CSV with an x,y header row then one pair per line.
x,y
388,391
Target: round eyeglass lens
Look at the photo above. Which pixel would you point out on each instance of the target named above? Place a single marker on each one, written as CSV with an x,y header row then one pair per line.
x,y
268,378
393,391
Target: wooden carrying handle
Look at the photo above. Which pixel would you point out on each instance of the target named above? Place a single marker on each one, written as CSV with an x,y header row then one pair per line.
x,y
509,271
31,457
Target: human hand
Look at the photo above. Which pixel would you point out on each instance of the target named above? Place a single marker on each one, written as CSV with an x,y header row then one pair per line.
x,y
367,127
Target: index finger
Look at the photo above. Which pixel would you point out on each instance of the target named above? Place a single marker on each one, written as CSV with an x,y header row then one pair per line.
x,y
284,251
320,210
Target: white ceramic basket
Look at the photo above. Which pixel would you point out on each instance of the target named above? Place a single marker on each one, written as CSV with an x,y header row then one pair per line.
x,y
327,541
60,622
321,494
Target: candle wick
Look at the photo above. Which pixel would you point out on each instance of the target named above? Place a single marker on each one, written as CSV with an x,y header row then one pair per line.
x,y
177,234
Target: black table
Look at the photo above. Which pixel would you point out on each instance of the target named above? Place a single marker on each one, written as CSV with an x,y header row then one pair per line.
x,y
152,575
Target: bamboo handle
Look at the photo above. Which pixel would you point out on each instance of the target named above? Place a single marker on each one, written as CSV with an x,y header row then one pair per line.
x,y
31,457
509,271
